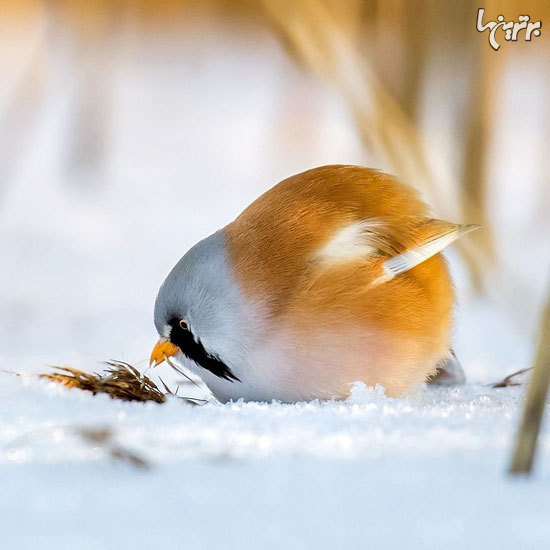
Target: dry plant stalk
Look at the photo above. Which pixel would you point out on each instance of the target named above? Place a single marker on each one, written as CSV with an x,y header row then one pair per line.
x,y
536,400
319,40
514,379
104,438
101,436
120,381
483,83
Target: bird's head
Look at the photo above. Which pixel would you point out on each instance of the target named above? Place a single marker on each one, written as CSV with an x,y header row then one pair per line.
x,y
197,310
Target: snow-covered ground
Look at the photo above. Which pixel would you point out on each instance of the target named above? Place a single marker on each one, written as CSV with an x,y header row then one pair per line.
x,y
424,472
189,140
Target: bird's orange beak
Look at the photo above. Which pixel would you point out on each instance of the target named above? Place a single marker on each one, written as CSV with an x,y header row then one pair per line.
x,y
163,349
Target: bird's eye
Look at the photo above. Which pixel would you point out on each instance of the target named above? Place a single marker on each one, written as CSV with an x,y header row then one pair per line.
x,y
183,324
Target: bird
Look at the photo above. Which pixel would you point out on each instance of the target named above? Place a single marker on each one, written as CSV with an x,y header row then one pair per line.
x,y
333,276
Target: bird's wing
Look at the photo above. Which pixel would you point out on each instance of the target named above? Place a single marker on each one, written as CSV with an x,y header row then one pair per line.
x,y
434,236
375,241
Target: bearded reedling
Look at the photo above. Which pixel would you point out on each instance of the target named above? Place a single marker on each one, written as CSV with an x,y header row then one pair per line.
x,y
332,276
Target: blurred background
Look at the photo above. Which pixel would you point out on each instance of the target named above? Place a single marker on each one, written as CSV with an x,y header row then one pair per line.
x,y
130,129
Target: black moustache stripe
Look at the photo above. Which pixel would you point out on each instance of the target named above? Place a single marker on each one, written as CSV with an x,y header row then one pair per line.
x,y
193,349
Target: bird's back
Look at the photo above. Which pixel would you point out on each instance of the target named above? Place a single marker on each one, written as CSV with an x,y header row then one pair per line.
x,y
274,241
296,249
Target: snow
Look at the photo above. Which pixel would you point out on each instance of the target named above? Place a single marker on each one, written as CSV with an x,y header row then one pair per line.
x,y
372,472
188,144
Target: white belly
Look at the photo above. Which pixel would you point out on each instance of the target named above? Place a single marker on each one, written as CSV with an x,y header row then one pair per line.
x,y
323,367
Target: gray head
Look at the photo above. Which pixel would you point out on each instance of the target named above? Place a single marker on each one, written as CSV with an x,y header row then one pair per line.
x,y
200,307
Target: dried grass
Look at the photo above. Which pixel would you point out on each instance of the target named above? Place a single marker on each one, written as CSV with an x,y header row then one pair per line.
x,y
101,437
514,379
119,380
104,438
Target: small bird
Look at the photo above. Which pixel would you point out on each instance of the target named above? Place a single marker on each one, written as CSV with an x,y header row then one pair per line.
x,y
332,276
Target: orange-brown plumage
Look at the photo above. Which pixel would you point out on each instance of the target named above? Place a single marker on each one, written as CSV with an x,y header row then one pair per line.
x,y
303,211
332,276
272,245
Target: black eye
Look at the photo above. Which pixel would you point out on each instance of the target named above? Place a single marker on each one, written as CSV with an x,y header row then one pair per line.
x,y
183,324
